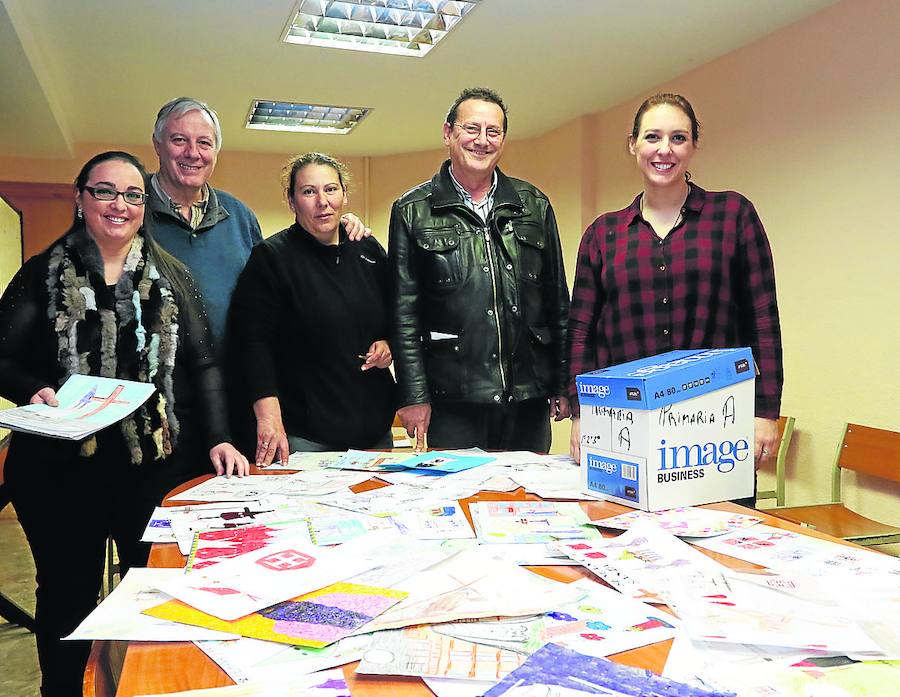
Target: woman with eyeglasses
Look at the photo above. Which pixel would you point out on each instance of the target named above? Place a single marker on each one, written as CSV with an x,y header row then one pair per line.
x,y
679,268
104,300
308,324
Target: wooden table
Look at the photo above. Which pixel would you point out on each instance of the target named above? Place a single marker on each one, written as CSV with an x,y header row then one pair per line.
x,y
161,667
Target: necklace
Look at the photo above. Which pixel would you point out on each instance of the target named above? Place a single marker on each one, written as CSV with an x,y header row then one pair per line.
x,y
680,217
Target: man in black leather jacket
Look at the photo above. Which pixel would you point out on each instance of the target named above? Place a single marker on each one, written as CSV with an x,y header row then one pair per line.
x,y
480,296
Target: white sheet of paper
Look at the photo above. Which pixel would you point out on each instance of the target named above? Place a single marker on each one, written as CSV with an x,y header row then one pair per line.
x,y
472,584
553,484
735,608
529,554
247,660
708,664
386,501
238,586
453,687
119,616
329,683
785,550
222,488
638,561
688,521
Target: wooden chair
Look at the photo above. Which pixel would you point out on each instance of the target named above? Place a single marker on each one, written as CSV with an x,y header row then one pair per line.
x,y
785,431
872,451
9,610
104,666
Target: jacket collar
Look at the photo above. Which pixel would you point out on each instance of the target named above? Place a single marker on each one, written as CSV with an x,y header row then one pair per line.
x,y
313,246
214,212
443,193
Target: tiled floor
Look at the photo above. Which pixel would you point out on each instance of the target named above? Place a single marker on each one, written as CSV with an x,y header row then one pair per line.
x,y
19,674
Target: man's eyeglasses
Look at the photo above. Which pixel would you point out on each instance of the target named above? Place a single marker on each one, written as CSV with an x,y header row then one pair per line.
x,y
101,193
473,129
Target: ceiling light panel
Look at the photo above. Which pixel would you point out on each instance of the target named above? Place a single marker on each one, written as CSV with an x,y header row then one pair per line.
x,y
402,27
310,118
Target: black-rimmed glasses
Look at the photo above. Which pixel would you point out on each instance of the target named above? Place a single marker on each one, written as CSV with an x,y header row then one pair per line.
x,y
102,193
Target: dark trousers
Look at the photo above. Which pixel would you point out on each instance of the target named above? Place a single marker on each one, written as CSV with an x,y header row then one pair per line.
x,y
521,425
68,505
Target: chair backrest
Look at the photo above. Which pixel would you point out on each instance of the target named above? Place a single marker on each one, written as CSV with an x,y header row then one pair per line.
x,y
873,451
785,432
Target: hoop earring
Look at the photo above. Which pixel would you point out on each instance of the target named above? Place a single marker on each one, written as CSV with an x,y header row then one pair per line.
x,y
687,176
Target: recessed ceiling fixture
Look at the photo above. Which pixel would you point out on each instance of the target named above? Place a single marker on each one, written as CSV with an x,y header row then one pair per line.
x,y
404,27
312,118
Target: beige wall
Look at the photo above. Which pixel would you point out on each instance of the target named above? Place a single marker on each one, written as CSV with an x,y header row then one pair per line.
x,y
802,122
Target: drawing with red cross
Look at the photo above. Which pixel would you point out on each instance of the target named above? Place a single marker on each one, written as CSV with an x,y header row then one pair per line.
x,y
286,560
104,401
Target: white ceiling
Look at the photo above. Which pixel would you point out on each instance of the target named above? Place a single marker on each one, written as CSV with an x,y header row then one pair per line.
x,y
96,71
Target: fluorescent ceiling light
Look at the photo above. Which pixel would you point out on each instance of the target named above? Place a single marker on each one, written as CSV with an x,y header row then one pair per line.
x,y
312,118
403,27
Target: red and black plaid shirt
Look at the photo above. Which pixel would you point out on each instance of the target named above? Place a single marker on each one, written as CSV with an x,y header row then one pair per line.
x,y
710,283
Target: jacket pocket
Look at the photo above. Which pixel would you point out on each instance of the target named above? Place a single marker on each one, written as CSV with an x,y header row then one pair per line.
x,y
542,353
445,367
531,241
441,267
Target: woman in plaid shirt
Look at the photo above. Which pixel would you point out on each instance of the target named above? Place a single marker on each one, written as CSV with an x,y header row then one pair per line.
x,y
680,268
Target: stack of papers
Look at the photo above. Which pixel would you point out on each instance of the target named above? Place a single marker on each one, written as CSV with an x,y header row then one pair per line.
x,y
87,404
310,575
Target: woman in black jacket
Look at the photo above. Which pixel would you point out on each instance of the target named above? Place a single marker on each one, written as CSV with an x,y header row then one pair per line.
x,y
104,300
307,326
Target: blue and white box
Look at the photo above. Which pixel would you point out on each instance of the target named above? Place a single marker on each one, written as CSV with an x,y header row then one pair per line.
x,y
670,430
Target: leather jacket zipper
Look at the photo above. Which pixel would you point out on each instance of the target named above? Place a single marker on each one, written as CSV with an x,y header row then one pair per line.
x,y
490,256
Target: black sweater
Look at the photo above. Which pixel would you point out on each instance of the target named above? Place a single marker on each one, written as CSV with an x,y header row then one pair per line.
x,y
301,316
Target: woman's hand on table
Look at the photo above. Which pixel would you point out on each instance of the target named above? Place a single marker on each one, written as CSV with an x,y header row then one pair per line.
x,y
378,355
271,438
227,460
45,395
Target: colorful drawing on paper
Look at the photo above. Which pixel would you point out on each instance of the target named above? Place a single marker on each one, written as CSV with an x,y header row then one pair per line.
x,y
604,622
560,671
421,651
530,522
785,550
638,562
316,619
684,522
213,546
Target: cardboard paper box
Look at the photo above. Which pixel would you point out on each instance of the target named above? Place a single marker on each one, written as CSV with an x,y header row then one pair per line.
x,y
670,430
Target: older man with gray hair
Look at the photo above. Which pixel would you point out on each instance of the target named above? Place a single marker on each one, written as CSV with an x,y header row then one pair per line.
x,y
209,230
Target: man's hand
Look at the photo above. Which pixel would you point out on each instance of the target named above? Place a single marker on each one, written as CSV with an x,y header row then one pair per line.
x,y
766,445
45,395
415,419
559,408
356,231
575,440
227,460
